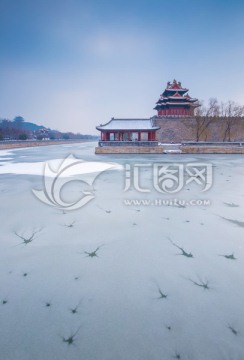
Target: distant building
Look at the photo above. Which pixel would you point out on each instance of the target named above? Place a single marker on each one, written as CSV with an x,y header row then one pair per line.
x,y
42,134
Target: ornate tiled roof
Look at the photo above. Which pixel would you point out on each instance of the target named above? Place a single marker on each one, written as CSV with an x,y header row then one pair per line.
x,y
128,124
175,86
174,96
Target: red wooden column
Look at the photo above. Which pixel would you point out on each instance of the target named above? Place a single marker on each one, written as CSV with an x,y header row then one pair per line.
x,y
139,136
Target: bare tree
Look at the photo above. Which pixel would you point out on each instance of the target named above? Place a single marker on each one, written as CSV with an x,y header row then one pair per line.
x,y
205,116
230,112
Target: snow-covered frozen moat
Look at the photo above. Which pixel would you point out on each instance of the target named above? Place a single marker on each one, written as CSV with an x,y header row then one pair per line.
x,y
141,297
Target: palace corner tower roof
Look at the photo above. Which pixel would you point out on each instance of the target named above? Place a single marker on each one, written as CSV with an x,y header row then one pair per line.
x,y
175,101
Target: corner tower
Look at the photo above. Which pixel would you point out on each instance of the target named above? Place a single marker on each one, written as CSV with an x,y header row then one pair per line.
x,y
175,101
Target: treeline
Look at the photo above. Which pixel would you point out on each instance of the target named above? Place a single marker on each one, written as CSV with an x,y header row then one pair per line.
x,y
19,129
228,112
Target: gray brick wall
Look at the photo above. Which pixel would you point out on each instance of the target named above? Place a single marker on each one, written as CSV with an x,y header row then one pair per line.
x,y
178,129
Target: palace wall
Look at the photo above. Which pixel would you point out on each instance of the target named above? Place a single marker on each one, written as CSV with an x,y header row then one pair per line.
x,y
129,150
186,149
179,129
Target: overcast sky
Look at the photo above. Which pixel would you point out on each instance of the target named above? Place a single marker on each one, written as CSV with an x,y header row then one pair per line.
x,y
73,64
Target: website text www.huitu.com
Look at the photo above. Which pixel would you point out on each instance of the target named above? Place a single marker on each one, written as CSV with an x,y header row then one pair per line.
x,y
167,202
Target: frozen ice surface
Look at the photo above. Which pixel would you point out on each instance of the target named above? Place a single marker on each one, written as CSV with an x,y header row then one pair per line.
x,y
57,301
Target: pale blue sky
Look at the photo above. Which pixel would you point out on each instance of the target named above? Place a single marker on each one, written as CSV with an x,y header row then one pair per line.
x,y
72,65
